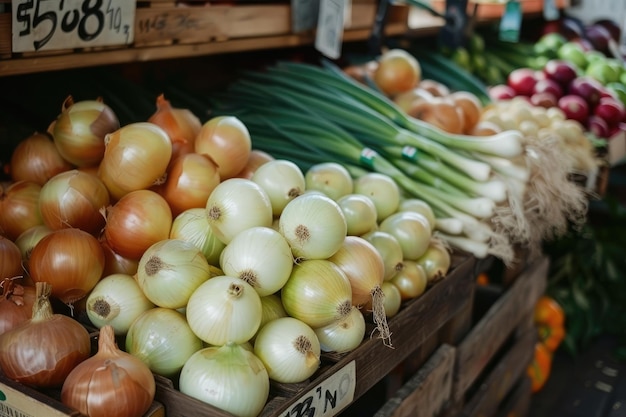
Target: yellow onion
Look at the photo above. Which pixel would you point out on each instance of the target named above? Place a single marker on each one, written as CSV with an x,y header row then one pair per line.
x,y
282,180
80,129
360,213
136,157
420,206
397,71
138,220
71,260
226,140
74,199
192,225
19,208
272,308
412,231
181,125
435,261
411,280
114,263
342,335
382,189
389,249
110,383
37,159
10,259
16,303
256,158
330,178
42,351
29,239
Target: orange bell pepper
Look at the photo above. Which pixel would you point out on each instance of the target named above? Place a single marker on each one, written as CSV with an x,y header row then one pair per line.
x,y
550,322
540,367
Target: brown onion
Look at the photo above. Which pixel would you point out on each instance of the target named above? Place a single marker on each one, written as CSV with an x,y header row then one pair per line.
x,y
80,129
37,159
19,208
28,239
114,263
136,157
190,180
110,383
71,260
227,141
16,304
256,158
74,199
137,221
181,125
43,350
10,259
397,72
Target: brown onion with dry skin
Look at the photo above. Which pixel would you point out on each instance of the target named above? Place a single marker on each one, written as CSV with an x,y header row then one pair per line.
x,y
80,129
110,383
16,304
43,350
256,158
71,260
114,263
10,259
19,208
74,199
37,159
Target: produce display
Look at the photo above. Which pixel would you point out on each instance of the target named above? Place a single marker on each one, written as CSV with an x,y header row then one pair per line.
x,y
312,203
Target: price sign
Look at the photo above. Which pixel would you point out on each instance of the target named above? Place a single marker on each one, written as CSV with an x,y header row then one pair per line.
x,y
329,397
511,22
329,34
40,25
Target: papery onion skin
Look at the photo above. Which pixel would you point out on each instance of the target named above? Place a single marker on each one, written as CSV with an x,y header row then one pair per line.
x,y
389,249
74,199
16,304
117,301
228,377
162,339
317,292
260,256
330,178
411,280
43,350
436,262
193,226
272,308
136,156
80,129
138,220
412,231
29,239
19,208
37,159
256,158
71,260
282,180
420,206
224,309
110,383
237,204
227,141
10,259
343,335
289,349
114,263
314,226
360,214
170,271
382,189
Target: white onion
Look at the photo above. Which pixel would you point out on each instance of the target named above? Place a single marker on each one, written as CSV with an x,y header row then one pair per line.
x,y
289,349
342,335
411,280
193,226
260,256
419,206
313,225
237,204
435,261
224,309
390,250
116,300
162,339
272,308
393,298
382,189
330,178
412,231
360,213
169,271
282,180
228,377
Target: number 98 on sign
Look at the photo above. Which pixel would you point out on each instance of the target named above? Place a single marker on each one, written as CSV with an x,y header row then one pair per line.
x,y
43,25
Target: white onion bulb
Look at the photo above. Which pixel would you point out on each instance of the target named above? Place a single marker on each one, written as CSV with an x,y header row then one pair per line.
x,y
390,250
282,180
193,226
360,213
330,178
260,256
412,231
289,349
342,335
382,189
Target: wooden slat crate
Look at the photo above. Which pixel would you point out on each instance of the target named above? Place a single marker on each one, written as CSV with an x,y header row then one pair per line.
x,y
428,391
492,358
494,9
372,361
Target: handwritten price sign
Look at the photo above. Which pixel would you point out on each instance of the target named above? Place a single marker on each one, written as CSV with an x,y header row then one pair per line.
x,y
40,25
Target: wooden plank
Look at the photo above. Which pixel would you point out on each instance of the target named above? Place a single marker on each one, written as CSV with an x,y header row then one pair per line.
x,y
5,35
426,393
486,338
518,403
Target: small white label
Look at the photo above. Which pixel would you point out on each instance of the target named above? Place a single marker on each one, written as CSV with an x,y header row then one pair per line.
x,y
329,397
41,25
550,11
329,35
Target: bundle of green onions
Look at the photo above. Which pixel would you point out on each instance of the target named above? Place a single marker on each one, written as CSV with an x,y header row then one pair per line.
x,y
477,187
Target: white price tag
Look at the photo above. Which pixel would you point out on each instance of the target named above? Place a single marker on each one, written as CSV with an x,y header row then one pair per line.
x,y
40,25
550,11
329,35
329,397
304,15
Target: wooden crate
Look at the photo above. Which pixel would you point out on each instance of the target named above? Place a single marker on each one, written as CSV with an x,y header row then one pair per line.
x,y
492,359
427,393
359,370
494,9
